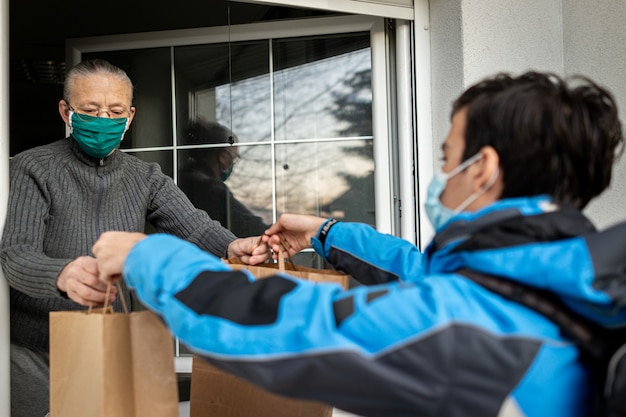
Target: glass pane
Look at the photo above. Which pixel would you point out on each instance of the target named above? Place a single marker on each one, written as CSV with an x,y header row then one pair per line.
x,y
243,202
164,158
234,92
322,87
327,179
149,70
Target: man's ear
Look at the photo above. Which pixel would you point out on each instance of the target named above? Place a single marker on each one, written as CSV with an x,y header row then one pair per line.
x,y
224,159
488,169
64,111
132,115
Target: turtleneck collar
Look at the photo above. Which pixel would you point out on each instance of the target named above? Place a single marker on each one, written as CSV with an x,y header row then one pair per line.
x,y
110,161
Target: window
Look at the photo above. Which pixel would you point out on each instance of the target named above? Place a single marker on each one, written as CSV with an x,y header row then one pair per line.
x,y
300,108
304,133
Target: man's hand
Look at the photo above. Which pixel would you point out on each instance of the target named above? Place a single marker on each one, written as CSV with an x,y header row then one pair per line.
x,y
111,250
79,280
250,250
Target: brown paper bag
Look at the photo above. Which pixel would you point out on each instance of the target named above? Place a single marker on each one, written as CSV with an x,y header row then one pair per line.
x,y
216,393
105,364
310,274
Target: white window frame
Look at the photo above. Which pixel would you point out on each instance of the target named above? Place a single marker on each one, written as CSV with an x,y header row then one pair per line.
x,y
5,363
398,9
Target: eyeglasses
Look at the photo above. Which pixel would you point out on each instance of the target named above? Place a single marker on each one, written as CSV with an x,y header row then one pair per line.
x,y
89,114
235,158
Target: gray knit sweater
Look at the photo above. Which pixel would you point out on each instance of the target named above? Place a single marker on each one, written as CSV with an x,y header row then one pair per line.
x,y
60,201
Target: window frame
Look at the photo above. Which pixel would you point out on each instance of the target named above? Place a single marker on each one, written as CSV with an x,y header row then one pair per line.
x,y
400,9
381,108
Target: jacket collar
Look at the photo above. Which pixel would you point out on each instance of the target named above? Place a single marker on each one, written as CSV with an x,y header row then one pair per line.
x,y
536,243
513,213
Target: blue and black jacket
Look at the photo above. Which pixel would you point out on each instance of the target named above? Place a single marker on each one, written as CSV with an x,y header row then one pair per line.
x,y
418,339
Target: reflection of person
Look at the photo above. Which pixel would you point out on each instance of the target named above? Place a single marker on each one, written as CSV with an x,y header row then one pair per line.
x,y
62,196
524,155
202,179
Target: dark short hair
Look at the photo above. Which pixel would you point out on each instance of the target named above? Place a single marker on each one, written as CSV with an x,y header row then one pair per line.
x,y
199,131
553,136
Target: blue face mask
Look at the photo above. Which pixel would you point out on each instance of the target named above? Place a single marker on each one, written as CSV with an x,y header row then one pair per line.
x,y
97,136
437,213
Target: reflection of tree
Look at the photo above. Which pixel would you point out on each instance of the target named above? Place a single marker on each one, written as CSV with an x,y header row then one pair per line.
x,y
357,204
322,124
352,106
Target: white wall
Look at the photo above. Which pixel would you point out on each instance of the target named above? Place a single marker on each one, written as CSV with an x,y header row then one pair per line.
x,y
447,63
511,36
594,42
471,39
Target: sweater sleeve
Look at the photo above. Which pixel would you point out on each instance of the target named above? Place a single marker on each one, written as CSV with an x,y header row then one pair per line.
x,y
171,212
26,266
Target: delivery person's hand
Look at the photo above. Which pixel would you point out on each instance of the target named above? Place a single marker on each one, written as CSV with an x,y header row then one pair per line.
x,y
111,251
292,233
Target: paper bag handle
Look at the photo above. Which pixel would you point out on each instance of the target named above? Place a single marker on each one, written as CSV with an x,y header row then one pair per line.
x,y
109,308
281,255
281,261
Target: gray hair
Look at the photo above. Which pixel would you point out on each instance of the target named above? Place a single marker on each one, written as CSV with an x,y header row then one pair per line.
x,y
94,66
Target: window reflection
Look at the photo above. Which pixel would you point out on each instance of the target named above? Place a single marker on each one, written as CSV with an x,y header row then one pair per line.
x,y
163,158
301,112
204,174
226,83
327,179
322,88
320,93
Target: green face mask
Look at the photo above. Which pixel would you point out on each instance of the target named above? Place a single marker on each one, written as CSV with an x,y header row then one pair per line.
x,y
226,173
97,136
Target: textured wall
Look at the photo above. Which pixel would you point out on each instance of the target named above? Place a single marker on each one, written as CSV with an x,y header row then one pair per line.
x,y
447,58
511,36
471,39
594,39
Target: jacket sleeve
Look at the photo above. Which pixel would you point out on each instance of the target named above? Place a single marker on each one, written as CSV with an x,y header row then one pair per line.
x,y
369,256
351,349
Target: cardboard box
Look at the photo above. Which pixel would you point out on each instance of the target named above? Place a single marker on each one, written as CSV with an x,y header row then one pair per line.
x,y
217,394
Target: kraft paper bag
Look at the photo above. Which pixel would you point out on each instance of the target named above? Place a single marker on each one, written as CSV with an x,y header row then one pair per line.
x,y
310,274
215,393
106,364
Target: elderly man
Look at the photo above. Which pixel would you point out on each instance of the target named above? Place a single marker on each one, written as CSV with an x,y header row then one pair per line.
x,y
62,197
